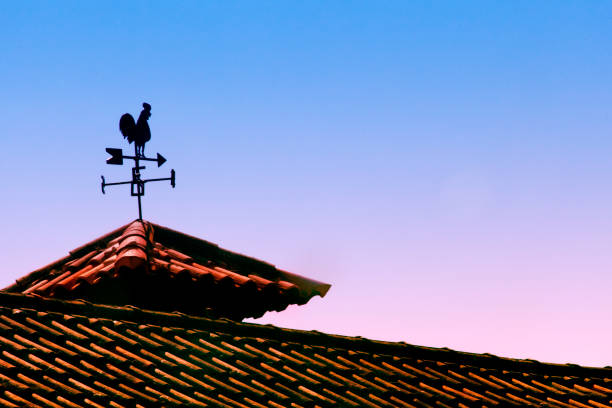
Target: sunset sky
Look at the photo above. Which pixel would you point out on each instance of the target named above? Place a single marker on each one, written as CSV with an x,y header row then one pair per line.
x,y
446,166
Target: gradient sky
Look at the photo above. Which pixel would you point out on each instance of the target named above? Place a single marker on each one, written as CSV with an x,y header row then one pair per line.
x,y
446,166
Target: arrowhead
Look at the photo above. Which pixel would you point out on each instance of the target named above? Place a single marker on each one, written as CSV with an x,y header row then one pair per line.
x,y
160,160
116,156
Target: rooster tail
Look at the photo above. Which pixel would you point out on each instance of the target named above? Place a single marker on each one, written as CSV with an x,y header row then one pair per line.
x,y
127,125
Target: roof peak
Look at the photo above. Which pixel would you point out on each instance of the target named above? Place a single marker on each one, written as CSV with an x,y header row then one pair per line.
x,y
148,265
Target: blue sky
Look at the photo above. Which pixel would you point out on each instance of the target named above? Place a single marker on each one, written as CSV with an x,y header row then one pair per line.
x,y
444,166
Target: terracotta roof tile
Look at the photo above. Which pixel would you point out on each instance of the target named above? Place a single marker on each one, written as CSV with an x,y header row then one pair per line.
x,y
76,354
151,266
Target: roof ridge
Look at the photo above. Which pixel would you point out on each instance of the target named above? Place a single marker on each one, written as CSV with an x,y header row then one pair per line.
x,y
76,252
178,319
162,234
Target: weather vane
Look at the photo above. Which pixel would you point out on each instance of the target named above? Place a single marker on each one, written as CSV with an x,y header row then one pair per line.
x,y
139,133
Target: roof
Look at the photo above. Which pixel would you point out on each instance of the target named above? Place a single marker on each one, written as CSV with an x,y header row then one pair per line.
x,y
155,267
57,353
175,346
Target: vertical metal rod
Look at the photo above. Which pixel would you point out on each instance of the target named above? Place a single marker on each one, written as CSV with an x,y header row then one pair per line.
x,y
138,185
139,210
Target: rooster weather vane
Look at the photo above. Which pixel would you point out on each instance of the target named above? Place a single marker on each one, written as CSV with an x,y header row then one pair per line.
x,y
139,133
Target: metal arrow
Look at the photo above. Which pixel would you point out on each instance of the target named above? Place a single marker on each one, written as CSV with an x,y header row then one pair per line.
x,y
117,157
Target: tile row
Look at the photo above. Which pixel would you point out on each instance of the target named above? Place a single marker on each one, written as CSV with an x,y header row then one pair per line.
x,y
66,360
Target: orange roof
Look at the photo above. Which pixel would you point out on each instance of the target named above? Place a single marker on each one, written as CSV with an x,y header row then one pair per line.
x,y
56,353
147,265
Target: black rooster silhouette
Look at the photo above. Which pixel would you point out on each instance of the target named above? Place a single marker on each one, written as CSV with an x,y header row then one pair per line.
x,y
137,132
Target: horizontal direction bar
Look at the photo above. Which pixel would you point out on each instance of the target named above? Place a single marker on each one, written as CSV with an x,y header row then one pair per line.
x,y
117,183
157,179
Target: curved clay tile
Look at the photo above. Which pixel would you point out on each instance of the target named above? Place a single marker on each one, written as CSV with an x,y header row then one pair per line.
x,y
132,251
